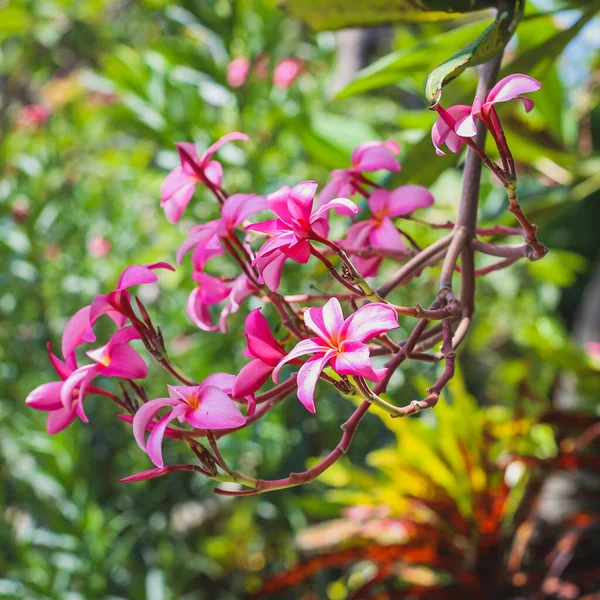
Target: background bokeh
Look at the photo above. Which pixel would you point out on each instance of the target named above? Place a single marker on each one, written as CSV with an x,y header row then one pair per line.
x,y
80,179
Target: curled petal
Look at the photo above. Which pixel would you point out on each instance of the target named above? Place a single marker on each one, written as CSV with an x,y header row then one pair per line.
x,y
208,153
75,330
342,206
140,274
369,321
145,414
270,268
308,375
154,445
88,372
511,87
198,312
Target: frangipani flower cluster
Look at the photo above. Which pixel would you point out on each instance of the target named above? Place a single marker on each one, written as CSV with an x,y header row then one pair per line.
x,y
335,331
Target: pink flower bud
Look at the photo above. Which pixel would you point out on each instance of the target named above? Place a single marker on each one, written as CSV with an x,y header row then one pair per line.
x,y
98,246
237,71
287,71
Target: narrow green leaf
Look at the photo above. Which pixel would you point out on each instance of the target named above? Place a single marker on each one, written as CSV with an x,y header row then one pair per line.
x,y
336,14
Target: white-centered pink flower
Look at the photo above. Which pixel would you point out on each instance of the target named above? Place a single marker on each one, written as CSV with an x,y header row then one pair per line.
x,y
178,188
379,231
339,343
206,406
366,158
265,351
297,220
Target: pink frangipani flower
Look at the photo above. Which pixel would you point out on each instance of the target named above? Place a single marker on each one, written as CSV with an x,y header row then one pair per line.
x,y
178,188
237,71
205,406
115,359
445,126
287,71
366,158
339,342
297,221
379,231
266,352
47,397
509,88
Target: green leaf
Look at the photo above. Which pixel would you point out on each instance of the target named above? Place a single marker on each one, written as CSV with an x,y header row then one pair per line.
x,y
395,67
478,52
336,14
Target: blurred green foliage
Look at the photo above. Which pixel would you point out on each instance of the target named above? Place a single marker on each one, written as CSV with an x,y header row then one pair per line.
x,y
123,81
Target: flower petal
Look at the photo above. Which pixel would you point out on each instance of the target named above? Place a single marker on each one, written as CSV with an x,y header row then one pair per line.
x,y
325,321
145,414
369,321
60,419
408,198
238,207
235,135
46,396
511,87
308,375
223,381
342,206
74,331
154,445
215,411
251,378
309,346
354,359
270,268
126,363
387,236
